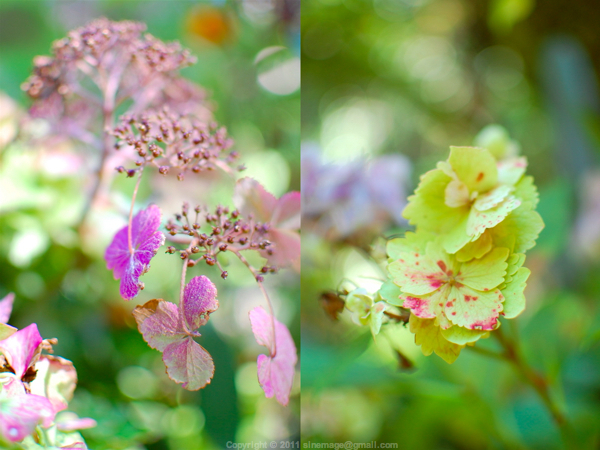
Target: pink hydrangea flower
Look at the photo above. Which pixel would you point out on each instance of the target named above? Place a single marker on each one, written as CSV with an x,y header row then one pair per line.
x,y
129,264
20,414
276,371
282,215
171,329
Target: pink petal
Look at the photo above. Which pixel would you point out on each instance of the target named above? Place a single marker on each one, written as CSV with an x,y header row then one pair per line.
x,y
188,363
199,300
275,373
6,305
21,414
20,348
159,323
251,197
287,212
285,247
75,424
76,446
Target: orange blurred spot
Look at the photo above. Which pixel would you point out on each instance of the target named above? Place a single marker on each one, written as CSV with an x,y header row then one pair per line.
x,y
209,23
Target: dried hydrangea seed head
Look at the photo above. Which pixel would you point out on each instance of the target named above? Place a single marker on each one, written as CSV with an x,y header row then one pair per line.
x,y
224,274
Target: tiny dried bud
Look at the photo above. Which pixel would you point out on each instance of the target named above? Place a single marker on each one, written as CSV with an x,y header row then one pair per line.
x,y
195,249
210,260
196,225
264,244
180,176
253,245
224,274
185,227
235,214
163,170
184,254
265,269
243,240
223,247
210,241
245,228
120,169
130,173
197,209
171,249
230,239
216,231
260,278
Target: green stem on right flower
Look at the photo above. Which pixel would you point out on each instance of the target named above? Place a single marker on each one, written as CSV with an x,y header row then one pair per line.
x,y
512,353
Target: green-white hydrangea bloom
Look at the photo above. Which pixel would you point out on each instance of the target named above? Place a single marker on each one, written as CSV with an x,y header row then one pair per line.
x,y
469,194
366,311
454,302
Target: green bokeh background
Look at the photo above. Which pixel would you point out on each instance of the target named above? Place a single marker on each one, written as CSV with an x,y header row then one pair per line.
x,y
67,290
437,72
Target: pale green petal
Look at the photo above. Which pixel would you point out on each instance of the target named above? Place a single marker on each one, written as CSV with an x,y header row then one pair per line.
x,y
390,293
496,139
475,249
430,338
457,237
427,208
514,261
6,331
514,298
522,226
492,198
359,303
462,336
479,221
441,259
485,273
473,309
526,191
476,167
456,194
376,317
511,170
411,242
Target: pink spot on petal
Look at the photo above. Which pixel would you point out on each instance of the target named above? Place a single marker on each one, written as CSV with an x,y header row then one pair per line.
x,y
480,176
442,265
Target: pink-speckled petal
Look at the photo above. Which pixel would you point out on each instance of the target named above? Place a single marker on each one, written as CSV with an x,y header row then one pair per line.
x,y
199,300
189,364
159,323
20,348
6,305
276,371
20,415
472,309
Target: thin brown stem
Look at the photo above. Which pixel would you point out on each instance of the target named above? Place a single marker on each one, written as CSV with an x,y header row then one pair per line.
x,y
512,353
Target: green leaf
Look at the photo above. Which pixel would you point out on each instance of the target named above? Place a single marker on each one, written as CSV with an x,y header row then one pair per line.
x,y
522,227
526,191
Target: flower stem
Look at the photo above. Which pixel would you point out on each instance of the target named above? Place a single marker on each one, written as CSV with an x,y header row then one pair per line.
x,y
512,353
135,190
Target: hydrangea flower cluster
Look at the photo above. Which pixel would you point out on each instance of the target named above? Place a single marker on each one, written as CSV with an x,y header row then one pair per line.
x,y
35,389
168,141
462,269
121,61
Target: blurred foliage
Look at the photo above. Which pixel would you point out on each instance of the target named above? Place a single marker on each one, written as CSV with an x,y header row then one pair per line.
x,y
60,278
413,77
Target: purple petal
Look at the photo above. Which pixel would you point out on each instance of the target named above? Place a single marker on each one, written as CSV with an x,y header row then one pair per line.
x,y
159,323
275,373
145,241
21,414
285,248
20,348
188,363
6,305
199,300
